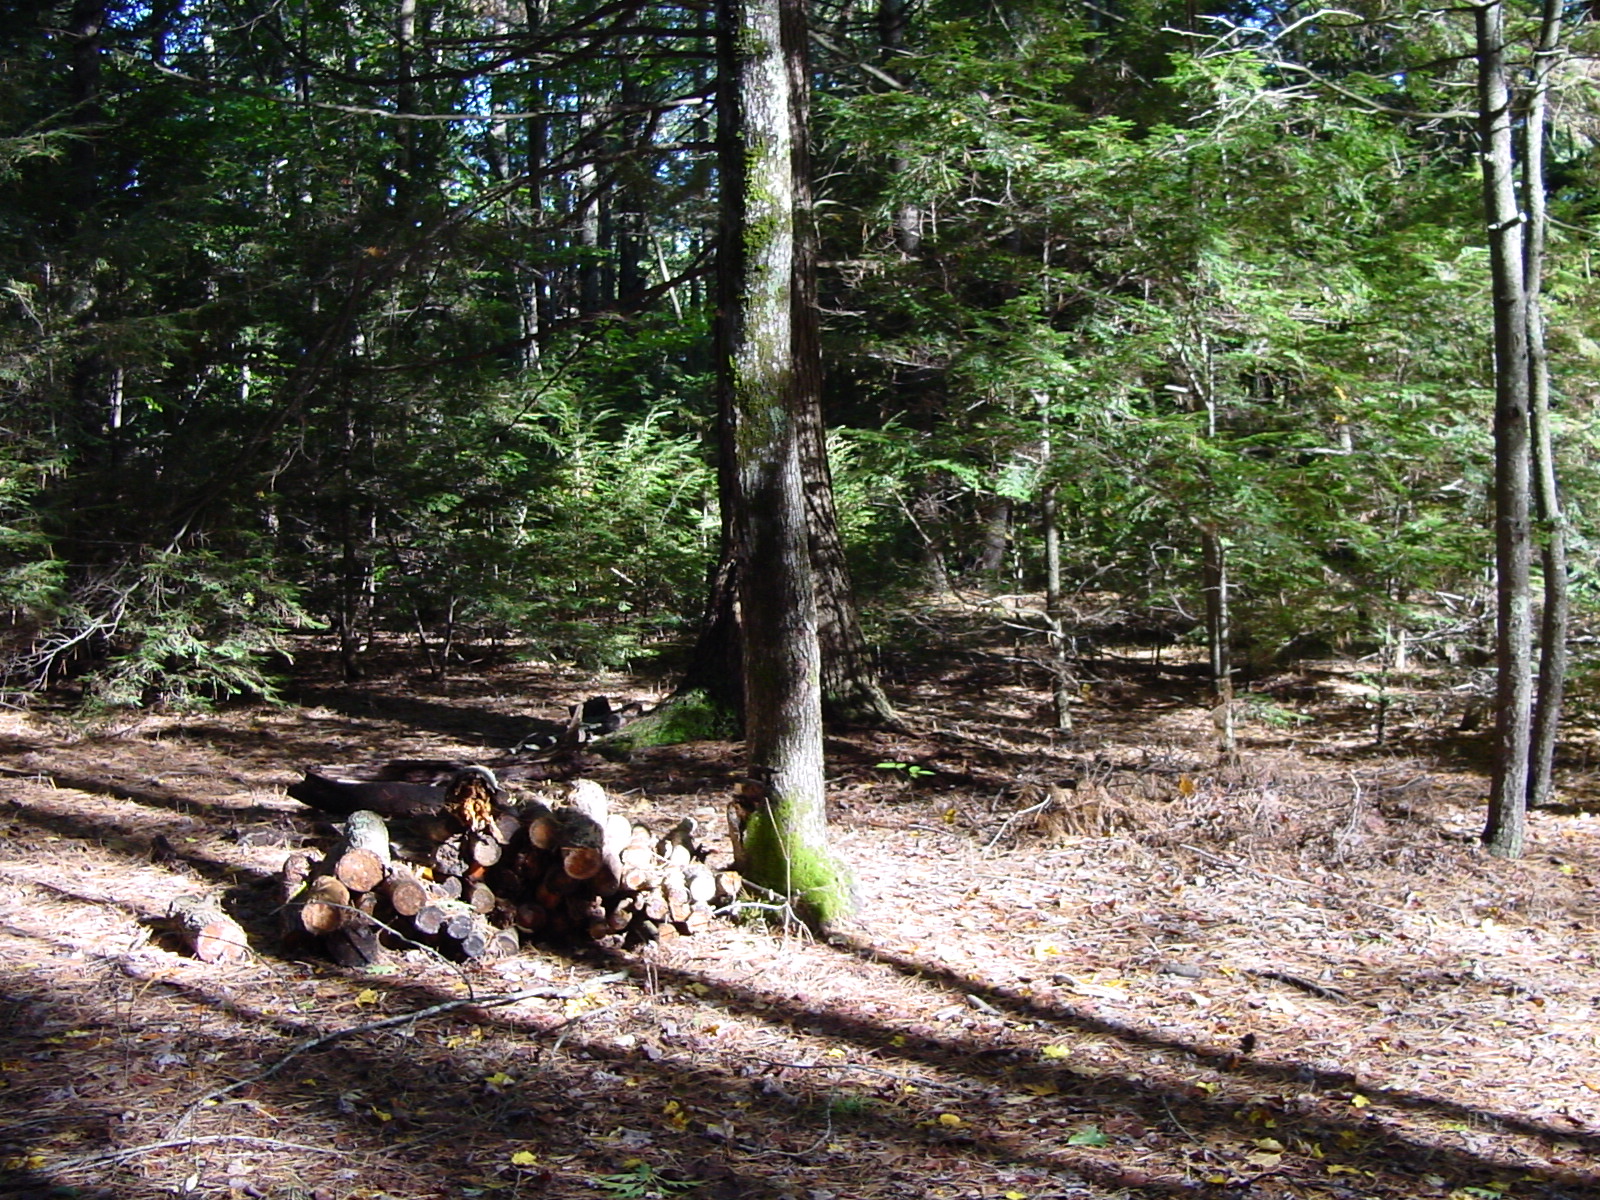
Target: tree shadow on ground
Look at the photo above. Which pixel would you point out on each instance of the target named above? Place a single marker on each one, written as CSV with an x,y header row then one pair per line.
x,y
433,1100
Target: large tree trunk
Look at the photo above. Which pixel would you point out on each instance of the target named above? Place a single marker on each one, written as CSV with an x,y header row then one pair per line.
x,y
851,694
781,825
1503,834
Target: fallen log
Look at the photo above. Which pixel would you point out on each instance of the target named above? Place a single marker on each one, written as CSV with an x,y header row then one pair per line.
x,y
321,904
405,893
210,934
419,787
362,857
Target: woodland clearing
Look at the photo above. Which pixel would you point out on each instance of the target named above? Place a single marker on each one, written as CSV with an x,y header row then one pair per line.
x,y
1087,965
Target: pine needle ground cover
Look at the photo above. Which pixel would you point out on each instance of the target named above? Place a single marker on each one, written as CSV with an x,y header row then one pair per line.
x,y
1098,966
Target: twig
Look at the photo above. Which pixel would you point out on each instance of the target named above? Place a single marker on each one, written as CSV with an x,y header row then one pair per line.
x,y
389,1022
95,1160
1014,817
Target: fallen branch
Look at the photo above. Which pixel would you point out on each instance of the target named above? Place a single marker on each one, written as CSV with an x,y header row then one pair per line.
x,y
111,1156
420,1014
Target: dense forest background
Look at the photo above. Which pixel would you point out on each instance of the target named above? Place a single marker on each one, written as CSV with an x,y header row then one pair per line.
x,y
397,318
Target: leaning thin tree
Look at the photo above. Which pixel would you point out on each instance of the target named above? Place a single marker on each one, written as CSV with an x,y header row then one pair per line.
x,y
780,836
1522,754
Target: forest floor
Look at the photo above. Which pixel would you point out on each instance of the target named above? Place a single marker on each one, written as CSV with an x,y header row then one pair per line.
x,y
1297,976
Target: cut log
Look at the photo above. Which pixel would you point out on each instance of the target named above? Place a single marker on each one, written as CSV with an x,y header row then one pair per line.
x,y
700,881
543,831
589,798
479,897
412,788
404,891
505,826
322,905
437,914
210,934
481,849
582,862
362,854
333,794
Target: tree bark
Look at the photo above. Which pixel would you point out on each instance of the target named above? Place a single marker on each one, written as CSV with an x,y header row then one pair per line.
x,y
851,693
1555,618
783,842
1503,834
1214,567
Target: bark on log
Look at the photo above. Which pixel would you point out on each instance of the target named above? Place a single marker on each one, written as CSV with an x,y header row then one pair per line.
x,y
356,944
471,796
210,934
449,858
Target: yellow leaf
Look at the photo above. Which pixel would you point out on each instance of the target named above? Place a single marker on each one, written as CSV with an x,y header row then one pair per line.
x,y
836,1053
381,1115
499,1079
1015,1196
1206,1086
1042,1089
1263,1160
1271,1145
524,1158
367,996
1340,1169
898,1039
1360,1101
1056,1052
1186,786
1216,1179
949,816
950,1120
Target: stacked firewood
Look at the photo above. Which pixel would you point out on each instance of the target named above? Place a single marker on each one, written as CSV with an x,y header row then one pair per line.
x,y
477,877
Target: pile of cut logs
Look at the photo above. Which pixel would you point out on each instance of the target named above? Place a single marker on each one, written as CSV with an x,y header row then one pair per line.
x,y
474,878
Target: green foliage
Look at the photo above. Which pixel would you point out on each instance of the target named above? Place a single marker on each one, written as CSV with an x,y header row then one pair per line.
x,y
641,1180
1159,273
181,630
691,716
910,771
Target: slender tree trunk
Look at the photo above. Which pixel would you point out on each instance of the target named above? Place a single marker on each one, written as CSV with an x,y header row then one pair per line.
x,y
1060,665
1554,619
780,822
1503,834
1214,568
